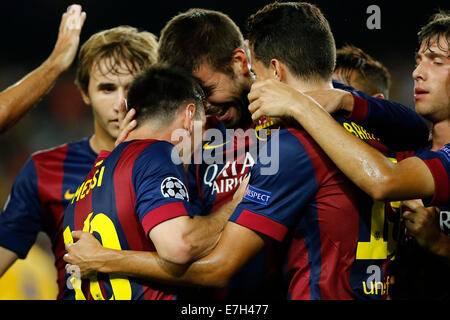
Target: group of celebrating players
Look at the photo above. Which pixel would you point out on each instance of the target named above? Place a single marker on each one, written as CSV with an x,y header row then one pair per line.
x,y
132,216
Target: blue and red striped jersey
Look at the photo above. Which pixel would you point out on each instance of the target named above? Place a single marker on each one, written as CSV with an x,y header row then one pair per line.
x,y
227,158
41,191
335,235
128,192
439,164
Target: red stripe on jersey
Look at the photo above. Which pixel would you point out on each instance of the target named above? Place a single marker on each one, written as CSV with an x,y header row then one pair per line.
x,y
299,286
82,210
262,224
163,213
324,168
199,181
50,175
441,181
338,230
360,109
126,198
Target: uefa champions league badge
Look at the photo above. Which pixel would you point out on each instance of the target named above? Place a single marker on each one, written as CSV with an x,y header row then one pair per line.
x,y
172,187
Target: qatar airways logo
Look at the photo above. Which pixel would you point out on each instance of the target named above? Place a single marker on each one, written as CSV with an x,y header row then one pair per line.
x,y
236,149
228,177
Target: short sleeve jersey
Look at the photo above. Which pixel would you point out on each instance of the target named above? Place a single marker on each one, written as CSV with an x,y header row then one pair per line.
x,y
127,193
41,191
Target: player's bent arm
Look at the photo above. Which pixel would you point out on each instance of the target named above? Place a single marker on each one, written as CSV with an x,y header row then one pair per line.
x,y
7,258
236,246
382,179
184,239
364,165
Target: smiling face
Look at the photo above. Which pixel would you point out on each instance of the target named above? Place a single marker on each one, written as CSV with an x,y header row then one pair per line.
x,y
106,91
226,95
432,81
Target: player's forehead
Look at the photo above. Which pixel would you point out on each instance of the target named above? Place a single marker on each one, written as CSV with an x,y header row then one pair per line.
x,y
111,69
434,46
217,85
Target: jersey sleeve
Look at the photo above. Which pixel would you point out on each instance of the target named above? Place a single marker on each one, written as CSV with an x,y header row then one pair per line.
x,y
272,202
20,221
439,164
397,126
195,189
160,185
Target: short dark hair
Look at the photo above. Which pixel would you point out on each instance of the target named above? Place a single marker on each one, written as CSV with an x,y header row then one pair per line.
x,y
200,35
297,34
437,27
161,91
372,76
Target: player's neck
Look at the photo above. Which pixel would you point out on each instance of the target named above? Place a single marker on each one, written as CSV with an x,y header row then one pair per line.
x,y
151,131
101,140
440,134
305,86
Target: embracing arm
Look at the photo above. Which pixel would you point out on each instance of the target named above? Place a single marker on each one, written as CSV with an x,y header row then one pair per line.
x,y
398,126
364,165
236,246
184,239
19,98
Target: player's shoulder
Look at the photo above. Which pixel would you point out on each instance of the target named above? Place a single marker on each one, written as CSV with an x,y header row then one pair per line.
x,y
286,149
146,152
151,147
80,149
293,140
444,154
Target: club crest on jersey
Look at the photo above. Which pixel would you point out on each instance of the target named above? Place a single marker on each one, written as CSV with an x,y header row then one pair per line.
x,y
172,187
257,195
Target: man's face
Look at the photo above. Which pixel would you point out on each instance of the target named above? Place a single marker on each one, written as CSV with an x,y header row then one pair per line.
x,y
432,81
227,95
106,91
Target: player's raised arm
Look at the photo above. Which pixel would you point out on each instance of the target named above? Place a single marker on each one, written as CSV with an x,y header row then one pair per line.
x,y
19,98
364,165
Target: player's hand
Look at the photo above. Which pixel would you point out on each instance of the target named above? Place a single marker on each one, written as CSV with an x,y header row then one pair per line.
x,y
240,192
275,99
422,223
333,100
84,254
126,122
68,40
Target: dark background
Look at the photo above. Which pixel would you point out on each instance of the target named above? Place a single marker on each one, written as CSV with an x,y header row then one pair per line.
x,y
29,30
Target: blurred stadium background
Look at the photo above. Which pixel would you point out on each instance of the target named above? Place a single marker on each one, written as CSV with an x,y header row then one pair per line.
x,y
28,33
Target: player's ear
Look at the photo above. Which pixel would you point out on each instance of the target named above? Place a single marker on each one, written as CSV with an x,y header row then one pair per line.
x,y
279,70
240,62
189,113
85,97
